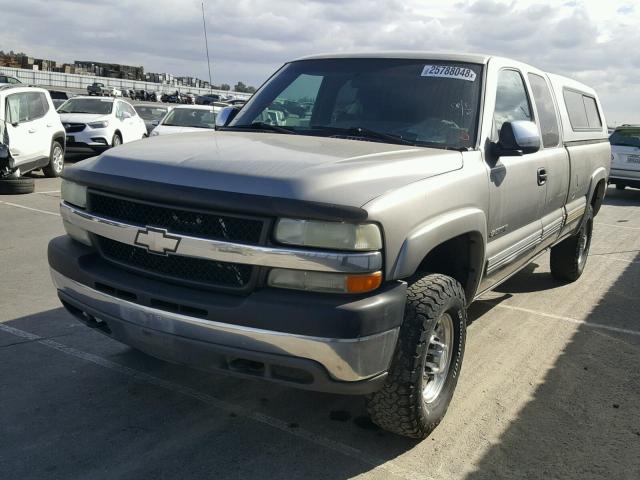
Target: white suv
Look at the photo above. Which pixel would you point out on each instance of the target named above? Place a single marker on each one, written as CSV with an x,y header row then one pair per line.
x,y
99,123
31,137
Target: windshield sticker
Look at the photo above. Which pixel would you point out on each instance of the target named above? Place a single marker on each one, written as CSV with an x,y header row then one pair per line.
x,y
448,71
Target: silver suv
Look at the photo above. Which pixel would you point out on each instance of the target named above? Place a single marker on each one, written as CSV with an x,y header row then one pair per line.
x,y
331,234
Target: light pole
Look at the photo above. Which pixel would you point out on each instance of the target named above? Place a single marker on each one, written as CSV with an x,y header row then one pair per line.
x,y
206,44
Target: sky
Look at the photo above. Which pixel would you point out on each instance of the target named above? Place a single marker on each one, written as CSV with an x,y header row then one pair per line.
x,y
594,41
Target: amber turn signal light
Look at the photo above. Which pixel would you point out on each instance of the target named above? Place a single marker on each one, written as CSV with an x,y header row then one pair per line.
x,y
363,283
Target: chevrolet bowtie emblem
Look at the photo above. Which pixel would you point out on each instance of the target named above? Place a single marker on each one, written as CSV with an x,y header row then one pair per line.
x,y
157,240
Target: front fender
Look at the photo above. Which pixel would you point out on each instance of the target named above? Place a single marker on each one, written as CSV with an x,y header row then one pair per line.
x,y
438,230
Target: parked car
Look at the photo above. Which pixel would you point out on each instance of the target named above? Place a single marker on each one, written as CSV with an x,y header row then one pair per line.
x,y
236,101
625,157
114,92
31,137
186,118
339,255
97,88
8,79
207,99
151,114
100,123
60,96
189,98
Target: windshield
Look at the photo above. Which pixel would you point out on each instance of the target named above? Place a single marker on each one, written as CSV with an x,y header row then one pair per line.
x,y
422,102
101,106
151,113
626,138
190,117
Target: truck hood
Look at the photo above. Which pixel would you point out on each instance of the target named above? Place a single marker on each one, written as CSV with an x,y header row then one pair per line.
x,y
328,170
82,117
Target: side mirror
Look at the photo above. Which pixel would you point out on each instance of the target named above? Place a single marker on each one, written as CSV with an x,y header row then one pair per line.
x,y
516,139
126,115
224,116
155,123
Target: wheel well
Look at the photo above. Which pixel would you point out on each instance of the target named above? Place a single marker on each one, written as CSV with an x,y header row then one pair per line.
x,y
598,196
59,137
118,133
461,258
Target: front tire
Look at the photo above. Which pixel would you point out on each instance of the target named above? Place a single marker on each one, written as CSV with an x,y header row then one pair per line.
x,y
56,161
116,140
569,257
427,360
17,186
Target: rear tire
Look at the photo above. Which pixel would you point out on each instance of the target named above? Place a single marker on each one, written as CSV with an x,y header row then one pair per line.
x,y
569,257
56,161
427,360
17,186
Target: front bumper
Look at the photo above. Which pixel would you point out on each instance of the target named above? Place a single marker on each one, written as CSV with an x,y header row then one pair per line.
x,y
93,138
318,342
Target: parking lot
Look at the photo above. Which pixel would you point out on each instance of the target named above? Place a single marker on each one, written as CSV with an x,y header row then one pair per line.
x,y
550,386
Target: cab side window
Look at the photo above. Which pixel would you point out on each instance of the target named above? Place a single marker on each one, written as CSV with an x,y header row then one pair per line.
x,y
125,107
512,102
17,108
546,111
38,105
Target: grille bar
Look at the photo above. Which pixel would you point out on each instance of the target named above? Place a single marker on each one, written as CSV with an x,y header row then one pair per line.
x,y
236,229
194,271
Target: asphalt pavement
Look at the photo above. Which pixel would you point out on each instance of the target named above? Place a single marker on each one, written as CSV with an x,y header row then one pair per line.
x,y
550,385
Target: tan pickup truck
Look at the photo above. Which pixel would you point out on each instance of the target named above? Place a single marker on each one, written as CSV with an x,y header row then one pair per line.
x,y
332,232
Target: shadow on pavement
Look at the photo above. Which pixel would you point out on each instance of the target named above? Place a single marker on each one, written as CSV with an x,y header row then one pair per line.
x,y
583,422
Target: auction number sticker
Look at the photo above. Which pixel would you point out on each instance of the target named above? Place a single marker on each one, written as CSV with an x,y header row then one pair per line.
x,y
449,71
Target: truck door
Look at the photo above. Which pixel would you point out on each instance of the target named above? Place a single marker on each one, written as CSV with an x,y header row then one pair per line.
x,y
554,156
22,132
517,190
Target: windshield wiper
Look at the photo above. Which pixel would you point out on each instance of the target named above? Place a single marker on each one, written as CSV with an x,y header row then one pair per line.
x,y
261,126
367,133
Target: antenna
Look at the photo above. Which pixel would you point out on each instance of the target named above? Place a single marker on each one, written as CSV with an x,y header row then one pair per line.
x,y
206,44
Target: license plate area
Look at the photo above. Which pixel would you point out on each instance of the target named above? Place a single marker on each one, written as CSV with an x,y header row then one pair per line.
x,y
633,159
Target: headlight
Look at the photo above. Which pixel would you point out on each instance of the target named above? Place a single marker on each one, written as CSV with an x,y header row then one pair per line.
x,y
74,194
332,235
324,282
103,124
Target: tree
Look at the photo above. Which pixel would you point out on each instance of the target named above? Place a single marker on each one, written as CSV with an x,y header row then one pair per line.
x,y
250,89
240,87
225,86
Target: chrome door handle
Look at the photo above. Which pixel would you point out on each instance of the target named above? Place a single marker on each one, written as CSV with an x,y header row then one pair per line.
x,y
49,125
32,130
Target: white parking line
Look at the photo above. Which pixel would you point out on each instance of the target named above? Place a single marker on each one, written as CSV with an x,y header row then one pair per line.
x,y
567,319
617,226
49,191
29,208
389,467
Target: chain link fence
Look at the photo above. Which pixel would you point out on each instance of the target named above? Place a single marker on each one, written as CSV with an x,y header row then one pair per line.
x,y
80,82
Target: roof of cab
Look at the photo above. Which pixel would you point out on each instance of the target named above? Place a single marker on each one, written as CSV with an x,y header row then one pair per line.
x,y
408,54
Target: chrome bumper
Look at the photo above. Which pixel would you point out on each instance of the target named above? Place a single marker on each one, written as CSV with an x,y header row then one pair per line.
x,y
346,360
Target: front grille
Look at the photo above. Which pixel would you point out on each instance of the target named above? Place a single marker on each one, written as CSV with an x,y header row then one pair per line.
x,y
178,220
194,271
74,127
